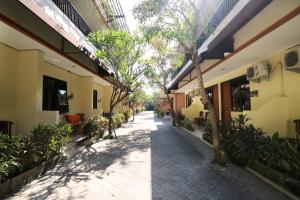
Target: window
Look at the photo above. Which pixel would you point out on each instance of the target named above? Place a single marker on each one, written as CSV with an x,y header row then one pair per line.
x,y
209,92
95,99
240,91
188,100
55,96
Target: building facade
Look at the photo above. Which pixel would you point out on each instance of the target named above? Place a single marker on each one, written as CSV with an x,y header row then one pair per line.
x,y
250,65
48,68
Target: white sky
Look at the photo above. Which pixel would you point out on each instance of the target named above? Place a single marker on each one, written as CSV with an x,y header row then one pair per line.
x,y
127,6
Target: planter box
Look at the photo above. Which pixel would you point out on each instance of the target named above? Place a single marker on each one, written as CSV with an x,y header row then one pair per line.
x,y
4,188
283,180
17,182
293,186
270,173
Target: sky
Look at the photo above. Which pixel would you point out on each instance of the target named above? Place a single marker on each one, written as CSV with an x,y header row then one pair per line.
x,y
127,6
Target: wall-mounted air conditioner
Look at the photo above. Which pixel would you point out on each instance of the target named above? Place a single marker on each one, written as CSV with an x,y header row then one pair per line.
x,y
291,59
258,71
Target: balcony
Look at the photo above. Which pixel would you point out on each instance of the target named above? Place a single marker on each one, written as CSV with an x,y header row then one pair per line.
x,y
66,7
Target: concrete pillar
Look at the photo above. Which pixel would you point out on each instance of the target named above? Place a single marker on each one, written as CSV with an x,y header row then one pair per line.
x,y
28,90
87,96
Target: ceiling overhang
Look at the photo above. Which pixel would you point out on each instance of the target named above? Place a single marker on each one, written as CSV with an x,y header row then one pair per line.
x,y
251,55
16,15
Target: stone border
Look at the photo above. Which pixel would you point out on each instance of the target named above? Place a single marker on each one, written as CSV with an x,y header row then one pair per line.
x,y
251,170
17,182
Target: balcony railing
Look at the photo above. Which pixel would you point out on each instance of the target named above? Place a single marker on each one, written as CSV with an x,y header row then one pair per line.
x,y
66,7
222,11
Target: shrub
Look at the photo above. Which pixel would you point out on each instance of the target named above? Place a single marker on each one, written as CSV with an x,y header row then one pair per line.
x,y
161,114
186,123
181,120
207,133
21,153
241,142
95,126
117,120
138,110
10,150
279,154
48,139
127,115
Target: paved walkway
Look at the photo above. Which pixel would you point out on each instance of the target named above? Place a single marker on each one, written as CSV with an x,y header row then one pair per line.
x,y
148,160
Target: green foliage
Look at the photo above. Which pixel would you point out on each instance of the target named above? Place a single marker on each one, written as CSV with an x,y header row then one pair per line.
x,y
49,139
241,143
118,119
160,113
173,20
183,121
9,154
207,131
127,115
122,53
95,126
138,110
279,154
22,153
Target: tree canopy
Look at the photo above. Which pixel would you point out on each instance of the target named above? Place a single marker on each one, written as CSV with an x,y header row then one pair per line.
x,y
123,53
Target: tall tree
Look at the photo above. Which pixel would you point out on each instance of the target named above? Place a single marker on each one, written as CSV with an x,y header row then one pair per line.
x,y
121,52
181,22
160,72
135,99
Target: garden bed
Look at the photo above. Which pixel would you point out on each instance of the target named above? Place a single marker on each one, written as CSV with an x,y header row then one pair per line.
x,y
15,183
281,181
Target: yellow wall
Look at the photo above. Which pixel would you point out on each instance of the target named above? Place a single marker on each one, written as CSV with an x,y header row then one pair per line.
x,y
21,90
273,12
8,79
28,92
278,101
194,109
99,89
73,84
107,90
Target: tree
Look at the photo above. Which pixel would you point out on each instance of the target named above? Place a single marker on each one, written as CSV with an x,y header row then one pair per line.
x,y
122,53
136,98
160,73
181,22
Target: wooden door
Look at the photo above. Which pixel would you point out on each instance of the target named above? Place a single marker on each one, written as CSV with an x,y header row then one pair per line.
x,y
226,102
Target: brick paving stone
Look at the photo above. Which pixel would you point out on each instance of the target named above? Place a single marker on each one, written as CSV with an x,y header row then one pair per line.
x,y
150,159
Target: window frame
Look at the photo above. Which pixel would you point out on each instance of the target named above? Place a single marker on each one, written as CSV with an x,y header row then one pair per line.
x,y
243,85
51,99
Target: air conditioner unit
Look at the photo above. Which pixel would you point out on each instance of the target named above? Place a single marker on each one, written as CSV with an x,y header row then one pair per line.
x,y
291,58
258,71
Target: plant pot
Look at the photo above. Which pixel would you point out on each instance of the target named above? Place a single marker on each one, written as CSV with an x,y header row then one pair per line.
x,y
4,188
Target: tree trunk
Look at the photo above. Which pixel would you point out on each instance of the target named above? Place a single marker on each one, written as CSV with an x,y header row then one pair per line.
x,y
110,120
212,115
132,113
171,109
